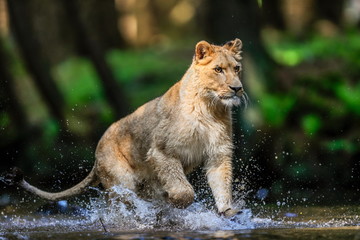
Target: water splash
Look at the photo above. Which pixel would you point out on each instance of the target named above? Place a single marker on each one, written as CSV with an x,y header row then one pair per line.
x,y
126,211
138,215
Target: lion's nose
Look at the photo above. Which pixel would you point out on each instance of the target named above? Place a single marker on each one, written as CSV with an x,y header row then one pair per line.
x,y
236,89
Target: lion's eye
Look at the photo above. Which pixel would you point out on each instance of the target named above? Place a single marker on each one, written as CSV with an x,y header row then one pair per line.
x,y
237,69
218,69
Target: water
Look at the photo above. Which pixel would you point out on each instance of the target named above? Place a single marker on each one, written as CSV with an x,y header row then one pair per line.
x,y
139,219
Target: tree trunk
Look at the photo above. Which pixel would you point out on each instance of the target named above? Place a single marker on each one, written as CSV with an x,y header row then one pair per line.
x,y
96,53
102,18
8,99
34,60
330,10
16,131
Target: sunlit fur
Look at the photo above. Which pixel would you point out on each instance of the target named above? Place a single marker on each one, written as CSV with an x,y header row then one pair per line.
x,y
151,150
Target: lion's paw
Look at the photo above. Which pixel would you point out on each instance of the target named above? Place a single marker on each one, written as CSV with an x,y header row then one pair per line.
x,y
230,212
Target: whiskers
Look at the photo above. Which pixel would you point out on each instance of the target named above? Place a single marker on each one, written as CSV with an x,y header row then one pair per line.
x,y
245,100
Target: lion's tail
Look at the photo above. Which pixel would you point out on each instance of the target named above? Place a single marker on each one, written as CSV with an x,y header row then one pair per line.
x,y
16,177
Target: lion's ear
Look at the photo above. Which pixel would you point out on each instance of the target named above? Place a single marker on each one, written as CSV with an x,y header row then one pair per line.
x,y
235,47
203,50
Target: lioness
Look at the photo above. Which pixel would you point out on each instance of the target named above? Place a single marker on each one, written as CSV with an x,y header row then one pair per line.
x,y
151,150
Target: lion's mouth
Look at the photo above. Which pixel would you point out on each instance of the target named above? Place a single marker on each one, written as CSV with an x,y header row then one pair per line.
x,y
234,99
230,100
228,97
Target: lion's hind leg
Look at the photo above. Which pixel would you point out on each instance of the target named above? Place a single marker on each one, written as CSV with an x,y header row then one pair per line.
x,y
117,176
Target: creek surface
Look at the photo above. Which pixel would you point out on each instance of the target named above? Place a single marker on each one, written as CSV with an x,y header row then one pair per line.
x,y
145,220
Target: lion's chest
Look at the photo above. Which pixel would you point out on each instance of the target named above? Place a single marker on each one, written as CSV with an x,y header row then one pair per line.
x,y
196,141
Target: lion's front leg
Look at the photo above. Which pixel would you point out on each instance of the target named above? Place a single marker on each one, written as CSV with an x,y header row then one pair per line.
x,y
170,173
219,175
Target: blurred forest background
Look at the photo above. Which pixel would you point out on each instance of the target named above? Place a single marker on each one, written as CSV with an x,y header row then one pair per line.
x,y
69,68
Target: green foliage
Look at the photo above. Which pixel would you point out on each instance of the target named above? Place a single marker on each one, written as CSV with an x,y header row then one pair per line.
x,y
339,145
51,130
315,115
311,124
84,95
328,89
78,81
7,130
350,96
147,74
275,108
4,120
292,52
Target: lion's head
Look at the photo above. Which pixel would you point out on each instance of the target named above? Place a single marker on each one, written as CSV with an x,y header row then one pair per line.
x,y
219,71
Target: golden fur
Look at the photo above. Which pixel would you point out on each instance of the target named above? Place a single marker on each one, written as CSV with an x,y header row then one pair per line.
x,y
151,150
